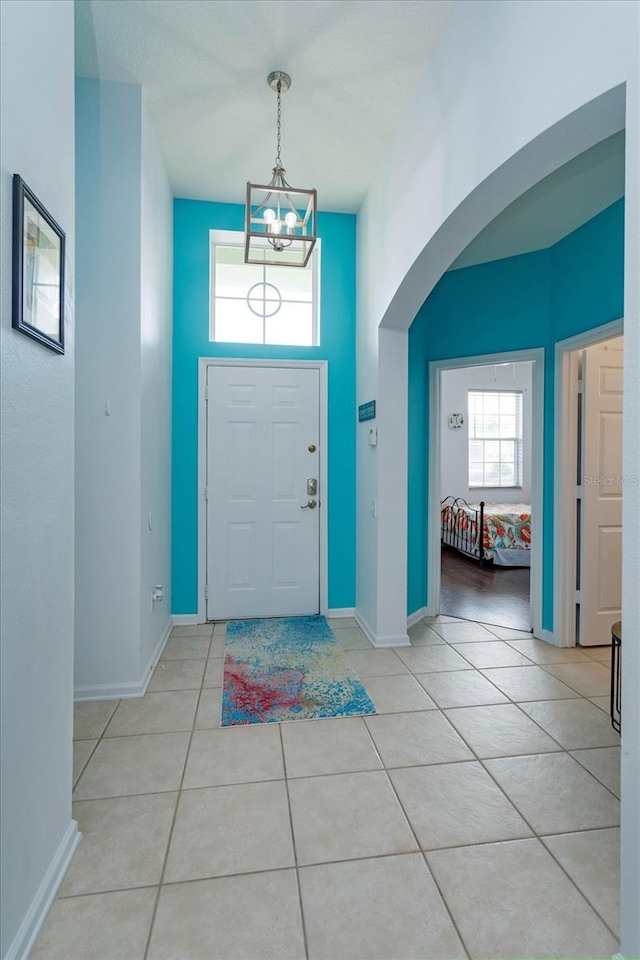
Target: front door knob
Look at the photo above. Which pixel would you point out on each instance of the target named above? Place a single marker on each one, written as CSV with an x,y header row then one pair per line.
x,y
311,505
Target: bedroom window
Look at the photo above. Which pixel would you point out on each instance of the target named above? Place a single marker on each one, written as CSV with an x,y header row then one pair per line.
x,y
495,438
261,303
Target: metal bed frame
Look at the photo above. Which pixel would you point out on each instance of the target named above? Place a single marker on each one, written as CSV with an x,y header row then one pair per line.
x,y
468,541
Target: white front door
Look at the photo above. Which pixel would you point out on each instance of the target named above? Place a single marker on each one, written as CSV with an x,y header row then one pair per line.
x,y
263,530
601,514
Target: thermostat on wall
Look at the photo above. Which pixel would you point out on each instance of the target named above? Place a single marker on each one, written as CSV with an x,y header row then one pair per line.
x,y
456,420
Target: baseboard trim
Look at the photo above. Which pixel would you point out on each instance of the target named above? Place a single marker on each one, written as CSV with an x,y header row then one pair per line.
x,y
45,895
125,691
416,616
364,626
109,691
191,619
381,641
548,636
391,640
155,656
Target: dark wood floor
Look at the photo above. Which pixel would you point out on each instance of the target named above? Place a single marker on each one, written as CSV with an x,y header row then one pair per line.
x,y
498,595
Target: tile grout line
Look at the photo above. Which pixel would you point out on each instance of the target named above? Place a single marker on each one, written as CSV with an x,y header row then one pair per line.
x,y
561,748
97,744
565,750
616,936
479,760
386,770
578,750
585,696
344,773
536,835
110,720
417,842
294,846
322,863
76,780
175,815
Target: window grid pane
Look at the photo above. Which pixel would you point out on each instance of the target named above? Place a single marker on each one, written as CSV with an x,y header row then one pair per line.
x,y
283,312
495,450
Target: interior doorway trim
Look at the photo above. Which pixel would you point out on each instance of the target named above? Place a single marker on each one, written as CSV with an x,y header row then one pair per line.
x,y
564,478
436,367
203,364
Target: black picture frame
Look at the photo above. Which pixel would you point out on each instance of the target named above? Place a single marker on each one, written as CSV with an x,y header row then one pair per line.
x,y
38,269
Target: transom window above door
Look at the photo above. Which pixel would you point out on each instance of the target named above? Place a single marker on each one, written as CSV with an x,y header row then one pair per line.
x,y
495,438
261,303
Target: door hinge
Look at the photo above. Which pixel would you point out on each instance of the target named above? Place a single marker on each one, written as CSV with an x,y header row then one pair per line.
x,y
206,592
580,385
206,493
578,596
206,393
579,493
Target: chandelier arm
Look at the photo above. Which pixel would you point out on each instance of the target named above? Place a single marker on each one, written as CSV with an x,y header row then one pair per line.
x,y
279,243
292,206
263,204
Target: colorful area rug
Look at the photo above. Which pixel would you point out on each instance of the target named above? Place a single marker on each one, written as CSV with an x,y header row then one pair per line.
x,y
288,669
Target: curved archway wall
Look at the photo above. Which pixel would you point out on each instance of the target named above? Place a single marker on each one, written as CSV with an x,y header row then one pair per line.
x,y
533,300
511,92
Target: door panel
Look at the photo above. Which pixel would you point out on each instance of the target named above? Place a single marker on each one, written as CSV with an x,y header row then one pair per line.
x,y
284,555
601,515
240,553
262,547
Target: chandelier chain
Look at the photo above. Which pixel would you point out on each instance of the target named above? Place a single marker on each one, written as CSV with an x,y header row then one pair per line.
x,y
278,124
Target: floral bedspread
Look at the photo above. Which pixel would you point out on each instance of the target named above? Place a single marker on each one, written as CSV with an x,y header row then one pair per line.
x,y
506,525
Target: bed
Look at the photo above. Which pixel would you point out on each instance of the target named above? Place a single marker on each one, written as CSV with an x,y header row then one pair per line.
x,y
506,531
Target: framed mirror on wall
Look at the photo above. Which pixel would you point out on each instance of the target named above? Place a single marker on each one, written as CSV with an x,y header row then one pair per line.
x,y
38,269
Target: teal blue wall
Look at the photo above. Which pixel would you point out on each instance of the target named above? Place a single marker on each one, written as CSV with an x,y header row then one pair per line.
x,y
533,300
193,220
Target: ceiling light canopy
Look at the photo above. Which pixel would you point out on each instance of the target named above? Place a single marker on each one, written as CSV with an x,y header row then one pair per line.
x,y
280,220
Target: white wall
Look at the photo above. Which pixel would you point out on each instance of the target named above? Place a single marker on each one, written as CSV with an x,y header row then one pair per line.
x,y
486,123
513,90
37,141
630,794
155,372
454,444
366,456
123,395
108,199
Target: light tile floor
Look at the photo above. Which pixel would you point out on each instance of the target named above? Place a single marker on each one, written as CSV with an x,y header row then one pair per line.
x,y
475,816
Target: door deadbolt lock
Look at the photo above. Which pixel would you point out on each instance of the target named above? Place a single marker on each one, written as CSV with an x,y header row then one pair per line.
x,y
311,505
311,448
312,487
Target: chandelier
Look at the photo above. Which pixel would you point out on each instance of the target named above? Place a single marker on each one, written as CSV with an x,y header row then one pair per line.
x,y
280,220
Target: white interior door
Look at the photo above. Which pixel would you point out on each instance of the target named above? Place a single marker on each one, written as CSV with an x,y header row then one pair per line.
x,y
601,514
263,530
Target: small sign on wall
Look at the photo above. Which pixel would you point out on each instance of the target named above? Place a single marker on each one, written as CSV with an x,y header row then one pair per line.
x,y
367,411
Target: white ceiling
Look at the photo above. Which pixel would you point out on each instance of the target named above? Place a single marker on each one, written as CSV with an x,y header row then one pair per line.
x,y
553,208
204,63
355,65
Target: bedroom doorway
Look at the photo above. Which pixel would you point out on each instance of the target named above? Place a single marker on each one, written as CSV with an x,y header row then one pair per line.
x,y
485,481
